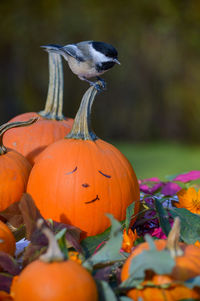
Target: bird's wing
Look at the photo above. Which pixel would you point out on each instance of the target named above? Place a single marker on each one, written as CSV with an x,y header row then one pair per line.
x,y
73,51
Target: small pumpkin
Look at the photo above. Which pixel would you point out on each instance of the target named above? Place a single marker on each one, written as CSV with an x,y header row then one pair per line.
x,y
51,278
166,287
51,126
5,296
14,169
7,239
80,178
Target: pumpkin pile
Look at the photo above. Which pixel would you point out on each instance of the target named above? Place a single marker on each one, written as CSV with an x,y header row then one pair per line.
x,y
73,223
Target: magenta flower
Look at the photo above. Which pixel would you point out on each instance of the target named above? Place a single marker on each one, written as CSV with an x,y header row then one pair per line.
x,y
170,189
150,185
188,176
158,233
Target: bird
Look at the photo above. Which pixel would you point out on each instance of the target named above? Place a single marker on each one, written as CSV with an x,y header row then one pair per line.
x,y
87,59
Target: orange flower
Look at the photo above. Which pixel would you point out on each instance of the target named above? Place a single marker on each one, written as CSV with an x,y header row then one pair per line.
x,y
197,243
189,199
128,240
73,255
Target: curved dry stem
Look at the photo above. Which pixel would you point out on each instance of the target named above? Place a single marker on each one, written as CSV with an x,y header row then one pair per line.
x,y
9,125
173,239
53,252
82,123
54,102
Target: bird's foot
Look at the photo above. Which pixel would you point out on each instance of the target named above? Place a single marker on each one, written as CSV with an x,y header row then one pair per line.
x,y
99,87
103,83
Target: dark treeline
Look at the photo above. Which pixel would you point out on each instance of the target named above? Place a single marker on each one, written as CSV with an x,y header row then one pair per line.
x,y
154,94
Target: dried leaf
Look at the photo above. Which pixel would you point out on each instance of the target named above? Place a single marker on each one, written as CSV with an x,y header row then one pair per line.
x,y
72,234
5,282
8,264
13,215
30,214
32,252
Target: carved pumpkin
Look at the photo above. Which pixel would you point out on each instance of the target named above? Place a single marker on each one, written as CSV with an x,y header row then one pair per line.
x,y
51,126
79,179
51,278
7,240
14,169
187,265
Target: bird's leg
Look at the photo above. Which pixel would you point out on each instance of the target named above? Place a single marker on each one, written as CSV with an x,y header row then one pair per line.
x,y
98,88
102,82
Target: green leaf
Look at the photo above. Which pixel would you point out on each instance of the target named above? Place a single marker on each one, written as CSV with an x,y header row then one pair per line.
x,y
60,234
110,252
160,262
90,244
163,217
190,224
61,238
191,283
105,292
129,214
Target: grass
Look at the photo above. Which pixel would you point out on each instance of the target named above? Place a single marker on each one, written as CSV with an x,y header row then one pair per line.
x,y
160,159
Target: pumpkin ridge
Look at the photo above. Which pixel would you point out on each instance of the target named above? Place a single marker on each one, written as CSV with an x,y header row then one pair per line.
x,y
118,184
135,187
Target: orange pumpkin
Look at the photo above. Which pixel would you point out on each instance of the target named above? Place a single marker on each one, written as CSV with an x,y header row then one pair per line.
x,y
51,278
7,240
187,265
51,126
5,296
79,179
14,169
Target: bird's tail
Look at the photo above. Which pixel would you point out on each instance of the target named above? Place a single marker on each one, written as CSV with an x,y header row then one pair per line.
x,y
52,48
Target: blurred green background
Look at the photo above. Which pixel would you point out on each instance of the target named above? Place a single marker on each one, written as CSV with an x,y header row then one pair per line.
x,y
152,102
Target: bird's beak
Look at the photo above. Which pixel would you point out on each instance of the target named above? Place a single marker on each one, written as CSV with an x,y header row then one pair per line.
x,y
116,61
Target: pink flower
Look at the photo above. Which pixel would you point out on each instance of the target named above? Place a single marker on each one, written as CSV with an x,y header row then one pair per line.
x,y
159,233
170,189
150,185
188,176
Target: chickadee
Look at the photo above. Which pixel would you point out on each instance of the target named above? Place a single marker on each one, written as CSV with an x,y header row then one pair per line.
x,y
87,59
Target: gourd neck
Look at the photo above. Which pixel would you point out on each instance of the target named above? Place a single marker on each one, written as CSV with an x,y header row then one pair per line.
x,y
53,252
173,239
81,128
9,125
54,103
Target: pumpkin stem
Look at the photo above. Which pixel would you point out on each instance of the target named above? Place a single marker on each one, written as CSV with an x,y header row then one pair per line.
x,y
53,252
81,128
54,103
9,125
173,239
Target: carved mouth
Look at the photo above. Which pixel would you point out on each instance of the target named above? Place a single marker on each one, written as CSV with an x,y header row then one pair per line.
x,y
94,200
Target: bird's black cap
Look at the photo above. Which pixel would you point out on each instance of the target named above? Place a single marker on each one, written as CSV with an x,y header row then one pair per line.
x,y
106,49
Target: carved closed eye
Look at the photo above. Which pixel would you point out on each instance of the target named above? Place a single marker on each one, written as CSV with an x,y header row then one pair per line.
x,y
87,185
